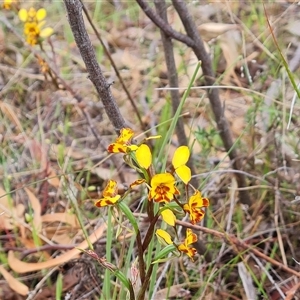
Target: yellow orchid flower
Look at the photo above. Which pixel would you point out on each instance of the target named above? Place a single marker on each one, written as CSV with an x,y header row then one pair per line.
x,y
110,195
123,142
7,4
185,246
194,205
180,158
190,239
162,188
33,23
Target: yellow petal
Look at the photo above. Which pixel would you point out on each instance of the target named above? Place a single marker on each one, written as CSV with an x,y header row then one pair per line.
x,y
107,201
191,252
126,135
164,235
41,14
169,217
190,237
32,14
144,156
181,156
196,200
184,173
137,182
116,148
46,32
23,15
111,189
162,179
40,24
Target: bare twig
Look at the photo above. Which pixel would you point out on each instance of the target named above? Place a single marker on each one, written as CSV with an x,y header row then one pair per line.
x,y
213,94
239,245
172,71
114,67
165,27
74,11
194,41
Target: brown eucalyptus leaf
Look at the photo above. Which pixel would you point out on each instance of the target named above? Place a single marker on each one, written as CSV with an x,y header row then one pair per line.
x,y
13,283
209,31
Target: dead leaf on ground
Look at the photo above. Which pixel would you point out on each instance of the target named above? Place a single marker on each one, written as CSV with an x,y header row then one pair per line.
x,y
104,173
23,267
61,217
124,58
61,234
53,178
62,239
230,44
13,283
209,31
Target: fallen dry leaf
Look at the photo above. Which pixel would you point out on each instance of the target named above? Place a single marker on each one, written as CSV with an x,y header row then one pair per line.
x,y
135,62
209,31
229,43
53,179
61,217
62,239
23,267
13,283
104,173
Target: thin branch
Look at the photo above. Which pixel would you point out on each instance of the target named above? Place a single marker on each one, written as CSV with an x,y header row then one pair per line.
x,y
213,95
239,245
160,23
74,11
114,66
172,71
194,41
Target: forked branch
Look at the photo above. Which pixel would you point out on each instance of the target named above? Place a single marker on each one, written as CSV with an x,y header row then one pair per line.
x,y
193,40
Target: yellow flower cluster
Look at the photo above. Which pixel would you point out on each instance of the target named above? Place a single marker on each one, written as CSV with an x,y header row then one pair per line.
x,y
33,23
161,187
7,4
